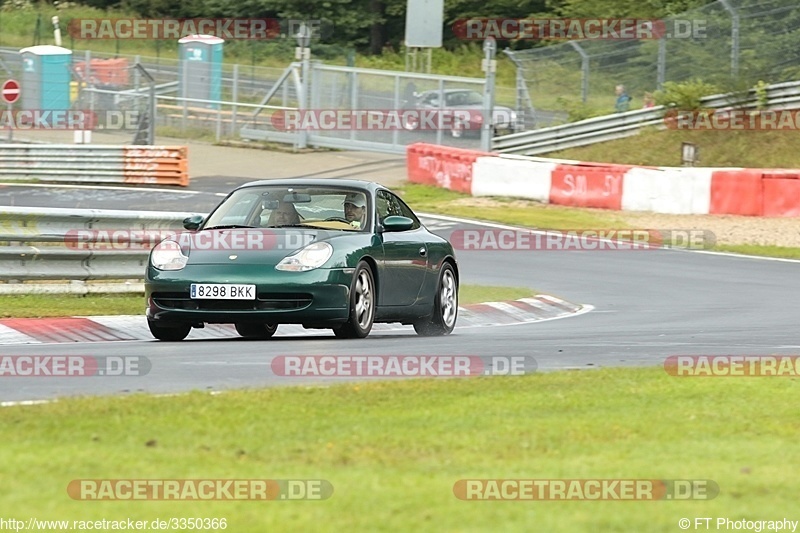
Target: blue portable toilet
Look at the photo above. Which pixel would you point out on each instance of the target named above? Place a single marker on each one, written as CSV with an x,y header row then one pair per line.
x,y
201,66
45,77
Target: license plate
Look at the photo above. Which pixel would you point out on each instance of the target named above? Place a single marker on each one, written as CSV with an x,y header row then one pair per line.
x,y
219,291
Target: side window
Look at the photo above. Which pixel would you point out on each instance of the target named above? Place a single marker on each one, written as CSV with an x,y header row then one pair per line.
x,y
390,205
407,212
383,206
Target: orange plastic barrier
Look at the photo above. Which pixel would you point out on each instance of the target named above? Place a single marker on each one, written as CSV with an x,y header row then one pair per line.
x,y
160,165
588,186
442,166
736,192
106,71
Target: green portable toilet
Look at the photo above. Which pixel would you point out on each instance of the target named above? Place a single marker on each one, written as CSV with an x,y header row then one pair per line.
x,y
45,77
201,68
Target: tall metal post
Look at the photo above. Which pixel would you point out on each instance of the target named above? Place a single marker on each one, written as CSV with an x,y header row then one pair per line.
x,y
584,71
734,37
489,66
303,52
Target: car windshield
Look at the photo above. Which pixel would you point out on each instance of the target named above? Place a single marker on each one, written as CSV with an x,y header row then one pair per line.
x,y
281,206
464,98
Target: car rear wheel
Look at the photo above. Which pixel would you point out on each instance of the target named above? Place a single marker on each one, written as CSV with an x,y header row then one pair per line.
x,y
169,333
256,331
445,306
362,305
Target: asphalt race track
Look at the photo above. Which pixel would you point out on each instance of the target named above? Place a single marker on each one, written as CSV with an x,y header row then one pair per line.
x,y
648,305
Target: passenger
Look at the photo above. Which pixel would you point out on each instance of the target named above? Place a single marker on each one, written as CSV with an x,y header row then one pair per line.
x,y
284,215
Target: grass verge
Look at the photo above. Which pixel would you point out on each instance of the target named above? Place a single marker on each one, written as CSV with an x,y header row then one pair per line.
x,y
393,450
53,305
748,149
430,199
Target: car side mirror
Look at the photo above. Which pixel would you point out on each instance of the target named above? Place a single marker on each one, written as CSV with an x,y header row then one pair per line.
x,y
397,223
193,222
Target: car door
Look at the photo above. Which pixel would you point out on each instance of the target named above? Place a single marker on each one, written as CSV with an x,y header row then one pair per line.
x,y
405,255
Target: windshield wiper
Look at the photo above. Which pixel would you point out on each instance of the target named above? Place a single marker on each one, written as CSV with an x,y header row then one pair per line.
x,y
229,226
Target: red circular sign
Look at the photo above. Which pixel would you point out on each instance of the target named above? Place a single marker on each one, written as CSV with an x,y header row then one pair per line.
x,y
10,91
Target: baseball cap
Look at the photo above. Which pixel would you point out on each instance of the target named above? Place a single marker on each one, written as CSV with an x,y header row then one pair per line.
x,y
357,199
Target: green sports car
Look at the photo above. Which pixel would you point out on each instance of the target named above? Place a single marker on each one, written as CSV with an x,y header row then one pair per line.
x,y
324,253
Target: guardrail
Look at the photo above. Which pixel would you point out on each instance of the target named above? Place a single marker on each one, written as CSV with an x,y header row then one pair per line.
x,y
159,165
62,254
621,125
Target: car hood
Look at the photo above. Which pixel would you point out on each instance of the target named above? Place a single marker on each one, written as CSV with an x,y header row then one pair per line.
x,y
250,246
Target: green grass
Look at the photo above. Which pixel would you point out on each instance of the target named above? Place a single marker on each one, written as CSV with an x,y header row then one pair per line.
x,y
48,305
755,249
52,305
748,149
473,294
393,451
430,199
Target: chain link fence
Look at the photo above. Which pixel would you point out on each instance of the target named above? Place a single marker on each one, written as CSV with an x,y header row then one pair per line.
x,y
130,95
730,44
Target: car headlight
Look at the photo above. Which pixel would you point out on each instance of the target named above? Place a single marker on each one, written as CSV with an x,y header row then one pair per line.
x,y
168,255
312,256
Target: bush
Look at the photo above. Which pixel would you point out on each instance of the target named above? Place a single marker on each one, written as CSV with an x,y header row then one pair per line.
x,y
578,110
684,96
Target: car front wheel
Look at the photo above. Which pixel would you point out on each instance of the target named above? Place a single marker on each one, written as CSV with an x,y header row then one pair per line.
x,y
256,331
445,306
169,333
362,305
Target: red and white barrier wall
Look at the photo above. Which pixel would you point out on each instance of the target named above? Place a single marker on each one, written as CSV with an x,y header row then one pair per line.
x,y
676,190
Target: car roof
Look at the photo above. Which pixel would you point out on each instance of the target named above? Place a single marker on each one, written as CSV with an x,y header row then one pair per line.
x,y
369,186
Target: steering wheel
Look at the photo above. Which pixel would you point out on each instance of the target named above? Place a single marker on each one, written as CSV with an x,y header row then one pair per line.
x,y
337,219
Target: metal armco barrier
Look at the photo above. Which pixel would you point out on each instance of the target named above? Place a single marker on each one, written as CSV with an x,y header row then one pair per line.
x,y
153,165
620,125
22,228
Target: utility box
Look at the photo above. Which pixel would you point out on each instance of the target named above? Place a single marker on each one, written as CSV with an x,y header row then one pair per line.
x,y
46,77
201,69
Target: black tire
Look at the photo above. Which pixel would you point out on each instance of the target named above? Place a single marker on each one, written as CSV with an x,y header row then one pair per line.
x,y
256,331
445,306
362,305
169,333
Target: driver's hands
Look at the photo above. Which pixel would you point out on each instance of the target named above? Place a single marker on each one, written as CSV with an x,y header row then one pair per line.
x,y
356,224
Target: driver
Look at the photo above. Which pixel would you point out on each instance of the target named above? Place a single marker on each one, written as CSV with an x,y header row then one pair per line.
x,y
355,209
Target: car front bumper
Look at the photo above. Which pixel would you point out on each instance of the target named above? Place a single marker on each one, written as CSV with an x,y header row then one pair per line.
x,y
319,296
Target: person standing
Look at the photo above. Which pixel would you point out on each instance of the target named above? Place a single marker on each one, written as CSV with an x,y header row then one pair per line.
x,y
623,100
